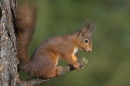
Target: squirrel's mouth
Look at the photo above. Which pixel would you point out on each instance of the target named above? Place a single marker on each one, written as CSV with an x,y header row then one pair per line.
x,y
85,50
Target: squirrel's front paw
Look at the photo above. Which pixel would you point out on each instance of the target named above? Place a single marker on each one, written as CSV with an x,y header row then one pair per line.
x,y
58,69
76,65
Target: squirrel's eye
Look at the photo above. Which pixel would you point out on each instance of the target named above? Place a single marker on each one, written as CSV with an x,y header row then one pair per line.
x,y
86,40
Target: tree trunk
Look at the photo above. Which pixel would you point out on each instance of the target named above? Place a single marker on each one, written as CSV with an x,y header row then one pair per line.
x,y
8,60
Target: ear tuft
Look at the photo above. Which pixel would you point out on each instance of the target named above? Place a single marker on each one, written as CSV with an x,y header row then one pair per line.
x,y
90,28
87,25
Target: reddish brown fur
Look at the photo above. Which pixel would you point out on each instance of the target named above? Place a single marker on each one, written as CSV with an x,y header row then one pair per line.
x,y
43,62
25,22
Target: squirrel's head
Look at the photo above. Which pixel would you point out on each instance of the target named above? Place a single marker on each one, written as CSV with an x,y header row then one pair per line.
x,y
84,37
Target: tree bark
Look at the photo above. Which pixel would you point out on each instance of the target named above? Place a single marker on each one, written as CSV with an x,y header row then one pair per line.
x,y
8,60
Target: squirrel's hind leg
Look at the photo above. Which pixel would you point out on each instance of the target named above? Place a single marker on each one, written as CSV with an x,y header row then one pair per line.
x,y
54,73
50,68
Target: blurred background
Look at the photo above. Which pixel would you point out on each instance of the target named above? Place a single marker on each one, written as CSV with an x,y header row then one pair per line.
x,y
109,62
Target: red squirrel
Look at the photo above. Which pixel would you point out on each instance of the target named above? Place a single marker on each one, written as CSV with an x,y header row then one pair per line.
x,y
44,60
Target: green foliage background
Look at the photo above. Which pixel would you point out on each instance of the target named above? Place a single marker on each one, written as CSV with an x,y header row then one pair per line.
x,y
109,62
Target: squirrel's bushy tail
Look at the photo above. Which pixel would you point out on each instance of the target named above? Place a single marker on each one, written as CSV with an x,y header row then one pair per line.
x,y
25,23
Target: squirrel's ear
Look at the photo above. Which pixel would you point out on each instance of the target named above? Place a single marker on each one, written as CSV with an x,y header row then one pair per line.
x,y
82,32
90,28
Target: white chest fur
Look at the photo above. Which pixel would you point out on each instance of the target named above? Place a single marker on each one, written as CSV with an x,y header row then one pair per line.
x,y
75,50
